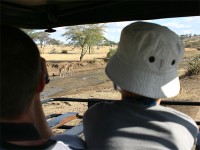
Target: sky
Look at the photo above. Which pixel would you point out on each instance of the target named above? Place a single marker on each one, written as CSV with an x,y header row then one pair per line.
x,y
181,25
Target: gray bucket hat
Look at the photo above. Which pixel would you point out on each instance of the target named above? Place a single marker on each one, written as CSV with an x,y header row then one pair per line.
x,y
146,61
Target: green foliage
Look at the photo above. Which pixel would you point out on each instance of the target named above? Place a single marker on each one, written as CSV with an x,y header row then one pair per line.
x,y
107,42
54,42
42,38
30,32
84,36
111,53
39,37
194,66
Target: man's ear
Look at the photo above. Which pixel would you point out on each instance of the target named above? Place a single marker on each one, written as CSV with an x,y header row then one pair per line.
x,y
42,82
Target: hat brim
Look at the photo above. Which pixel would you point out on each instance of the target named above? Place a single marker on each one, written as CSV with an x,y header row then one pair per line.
x,y
141,81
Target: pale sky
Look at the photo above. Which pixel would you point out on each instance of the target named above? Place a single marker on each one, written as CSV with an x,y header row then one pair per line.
x,y
182,25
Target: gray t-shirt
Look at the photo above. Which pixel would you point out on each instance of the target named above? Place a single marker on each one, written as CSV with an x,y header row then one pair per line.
x,y
198,140
128,125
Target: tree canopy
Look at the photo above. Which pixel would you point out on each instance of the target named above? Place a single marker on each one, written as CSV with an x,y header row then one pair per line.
x,y
42,38
85,36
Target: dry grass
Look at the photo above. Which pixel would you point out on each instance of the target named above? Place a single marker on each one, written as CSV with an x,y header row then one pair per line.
x,y
71,57
191,53
74,54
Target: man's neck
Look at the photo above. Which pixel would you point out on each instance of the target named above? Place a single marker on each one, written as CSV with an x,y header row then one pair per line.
x,y
126,94
29,136
29,143
24,118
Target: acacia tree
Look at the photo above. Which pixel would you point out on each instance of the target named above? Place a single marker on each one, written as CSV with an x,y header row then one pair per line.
x,y
52,41
31,33
84,36
95,35
42,38
39,37
107,42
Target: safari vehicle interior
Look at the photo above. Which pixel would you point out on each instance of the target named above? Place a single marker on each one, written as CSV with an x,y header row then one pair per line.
x,y
50,14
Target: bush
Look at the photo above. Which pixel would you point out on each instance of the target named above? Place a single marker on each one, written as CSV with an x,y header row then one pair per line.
x,y
192,44
111,53
53,51
64,52
194,66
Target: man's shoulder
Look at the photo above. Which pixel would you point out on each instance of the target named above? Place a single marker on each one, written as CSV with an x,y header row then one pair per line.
x,y
170,111
101,107
99,110
176,116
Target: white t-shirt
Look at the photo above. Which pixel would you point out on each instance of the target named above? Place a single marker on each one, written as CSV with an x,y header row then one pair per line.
x,y
60,146
68,142
59,142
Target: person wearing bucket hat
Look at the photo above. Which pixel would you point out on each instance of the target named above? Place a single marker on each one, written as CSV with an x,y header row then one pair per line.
x,y
144,69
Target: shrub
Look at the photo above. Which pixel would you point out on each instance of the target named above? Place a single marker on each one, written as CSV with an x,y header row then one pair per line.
x,y
64,52
53,51
111,53
192,44
194,66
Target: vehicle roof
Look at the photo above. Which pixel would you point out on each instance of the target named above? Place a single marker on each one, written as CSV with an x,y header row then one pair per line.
x,y
46,14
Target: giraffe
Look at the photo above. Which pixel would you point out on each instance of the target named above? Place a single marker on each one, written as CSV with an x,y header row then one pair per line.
x,y
63,70
70,69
